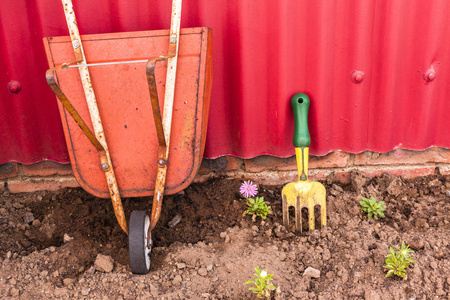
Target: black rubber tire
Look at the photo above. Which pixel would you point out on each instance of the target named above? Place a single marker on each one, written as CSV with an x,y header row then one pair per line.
x,y
137,244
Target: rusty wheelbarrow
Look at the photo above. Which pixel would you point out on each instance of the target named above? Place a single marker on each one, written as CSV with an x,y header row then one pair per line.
x,y
118,131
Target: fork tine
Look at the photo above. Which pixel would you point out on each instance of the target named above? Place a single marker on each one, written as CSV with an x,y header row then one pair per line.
x,y
323,214
285,213
311,216
298,216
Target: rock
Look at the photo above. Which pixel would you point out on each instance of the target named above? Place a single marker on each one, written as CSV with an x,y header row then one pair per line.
x,y
67,238
338,188
223,234
435,183
358,180
14,292
85,291
326,254
26,243
177,280
447,193
104,263
202,272
181,265
36,223
395,188
175,220
415,243
434,265
311,272
371,295
69,281
28,217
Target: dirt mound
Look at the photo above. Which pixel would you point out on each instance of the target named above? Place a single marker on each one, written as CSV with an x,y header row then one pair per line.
x,y
50,241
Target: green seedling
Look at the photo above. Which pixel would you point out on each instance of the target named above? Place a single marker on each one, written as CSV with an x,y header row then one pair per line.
x,y
372,207
262,284
397,262
257,206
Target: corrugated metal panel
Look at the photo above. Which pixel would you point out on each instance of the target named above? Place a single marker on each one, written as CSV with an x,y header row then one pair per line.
x,y
264,52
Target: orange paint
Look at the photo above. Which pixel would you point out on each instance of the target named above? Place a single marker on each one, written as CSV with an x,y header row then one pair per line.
x,y
124,104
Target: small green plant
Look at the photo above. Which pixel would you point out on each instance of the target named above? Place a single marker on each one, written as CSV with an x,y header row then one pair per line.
x,y
372,207
256,206
397,262
262,284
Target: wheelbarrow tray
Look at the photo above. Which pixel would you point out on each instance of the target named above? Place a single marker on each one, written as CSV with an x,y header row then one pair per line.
x,y
125,108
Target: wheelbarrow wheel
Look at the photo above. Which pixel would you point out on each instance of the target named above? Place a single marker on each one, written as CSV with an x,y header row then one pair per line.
x,y
138,246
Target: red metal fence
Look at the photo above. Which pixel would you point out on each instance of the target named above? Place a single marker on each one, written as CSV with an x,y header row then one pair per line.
x,y
377,72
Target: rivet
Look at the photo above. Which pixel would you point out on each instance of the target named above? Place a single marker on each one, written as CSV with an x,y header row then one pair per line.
x,y
357,76
161,161
105,166
429,75
76,44
14,86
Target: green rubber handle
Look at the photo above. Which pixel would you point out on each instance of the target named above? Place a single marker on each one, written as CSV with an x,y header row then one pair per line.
x,y
300,106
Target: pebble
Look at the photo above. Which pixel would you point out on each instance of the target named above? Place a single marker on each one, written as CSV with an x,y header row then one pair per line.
x,y
36,223
104,263
28,217
67,238
223,234
69,281
202,272
14,292
311,272
326,254
371,295
177,280
434,265
175,220
85,291
181,265
447,193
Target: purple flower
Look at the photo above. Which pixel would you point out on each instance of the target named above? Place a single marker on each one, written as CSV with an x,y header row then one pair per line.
x,y
248,189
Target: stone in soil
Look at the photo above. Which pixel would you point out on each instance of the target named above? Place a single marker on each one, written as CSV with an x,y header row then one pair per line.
x,y
104,263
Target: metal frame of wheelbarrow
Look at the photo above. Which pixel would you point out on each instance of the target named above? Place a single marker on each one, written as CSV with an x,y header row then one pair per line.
x,y
140,224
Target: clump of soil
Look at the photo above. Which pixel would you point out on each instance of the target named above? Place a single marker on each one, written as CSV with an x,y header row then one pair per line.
x,y
50,241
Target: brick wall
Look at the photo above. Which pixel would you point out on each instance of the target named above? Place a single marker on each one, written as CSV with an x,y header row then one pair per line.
x,y
267,170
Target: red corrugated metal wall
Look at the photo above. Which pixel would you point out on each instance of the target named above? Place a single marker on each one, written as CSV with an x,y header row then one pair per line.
x,y
264,52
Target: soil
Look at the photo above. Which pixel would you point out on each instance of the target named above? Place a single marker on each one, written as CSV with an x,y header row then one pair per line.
x,y
57,245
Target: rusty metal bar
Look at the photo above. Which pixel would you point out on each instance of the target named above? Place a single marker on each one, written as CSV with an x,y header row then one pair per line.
x,y
105,158
50,76
163,153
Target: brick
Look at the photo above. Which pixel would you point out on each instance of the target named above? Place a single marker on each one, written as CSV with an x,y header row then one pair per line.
x,y
47,168
336,159
223,163
33,185
405,172
267,162
3,186
8,170
444,169
401,156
